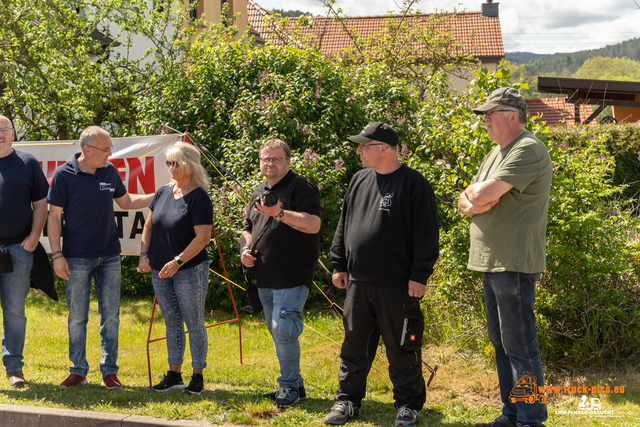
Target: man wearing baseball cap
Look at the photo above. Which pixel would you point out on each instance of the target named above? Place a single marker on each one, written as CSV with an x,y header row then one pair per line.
x,y
508,200
383,252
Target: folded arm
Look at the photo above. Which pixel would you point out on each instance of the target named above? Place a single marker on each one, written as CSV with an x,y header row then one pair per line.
x,y
480,197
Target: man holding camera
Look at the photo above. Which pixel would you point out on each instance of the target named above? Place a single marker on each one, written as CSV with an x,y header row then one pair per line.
x,y
383,253
280,243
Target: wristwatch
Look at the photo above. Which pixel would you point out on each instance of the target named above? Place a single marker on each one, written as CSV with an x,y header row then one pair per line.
x,y
279,216
178,261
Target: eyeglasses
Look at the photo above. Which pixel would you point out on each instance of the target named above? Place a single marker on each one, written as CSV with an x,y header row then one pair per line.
x,y
6,130
274,160
104,150
363,146
489,114
174,164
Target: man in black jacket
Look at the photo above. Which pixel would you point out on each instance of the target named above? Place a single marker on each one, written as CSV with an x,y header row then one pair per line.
x,y
383,252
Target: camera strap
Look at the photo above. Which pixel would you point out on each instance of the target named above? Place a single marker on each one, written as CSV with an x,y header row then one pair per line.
x,y
267,226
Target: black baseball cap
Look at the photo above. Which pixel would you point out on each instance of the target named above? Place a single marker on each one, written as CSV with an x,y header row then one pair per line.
x,y
502,96
376,130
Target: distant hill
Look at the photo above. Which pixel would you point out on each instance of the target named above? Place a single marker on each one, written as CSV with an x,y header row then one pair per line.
x,y
566,64
523,56
289,13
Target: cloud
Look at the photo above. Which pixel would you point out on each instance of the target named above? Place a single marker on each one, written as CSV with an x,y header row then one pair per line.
x,y
572,20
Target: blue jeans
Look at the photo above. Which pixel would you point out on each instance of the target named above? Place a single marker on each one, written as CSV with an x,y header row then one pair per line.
x,y
105,272
510,298
181,299
283,316
14,288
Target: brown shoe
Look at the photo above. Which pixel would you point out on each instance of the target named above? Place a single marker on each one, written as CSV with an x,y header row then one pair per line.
x,y
16,379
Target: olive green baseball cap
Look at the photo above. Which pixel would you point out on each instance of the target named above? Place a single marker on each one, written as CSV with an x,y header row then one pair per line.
x,y
502,96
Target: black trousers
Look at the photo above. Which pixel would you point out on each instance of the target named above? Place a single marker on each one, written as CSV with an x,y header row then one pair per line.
x,y
372,310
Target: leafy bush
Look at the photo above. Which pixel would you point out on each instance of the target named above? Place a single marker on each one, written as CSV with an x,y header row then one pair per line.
x,y
621,141
587,299
234,97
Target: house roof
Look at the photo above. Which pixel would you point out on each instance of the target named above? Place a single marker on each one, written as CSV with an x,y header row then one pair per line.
x,y
480,35
557,111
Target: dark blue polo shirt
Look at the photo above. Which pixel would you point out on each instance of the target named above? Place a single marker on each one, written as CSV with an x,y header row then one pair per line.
x,y
21,183
88,222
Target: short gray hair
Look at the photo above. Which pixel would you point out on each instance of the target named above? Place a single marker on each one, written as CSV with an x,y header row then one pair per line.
x,y
522,115
90,134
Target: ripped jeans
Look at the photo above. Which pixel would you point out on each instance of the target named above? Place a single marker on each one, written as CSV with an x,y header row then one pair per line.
x,y
283,315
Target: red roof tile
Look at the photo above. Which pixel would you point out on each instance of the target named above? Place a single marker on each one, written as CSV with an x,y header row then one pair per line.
x,y
557,112
481,35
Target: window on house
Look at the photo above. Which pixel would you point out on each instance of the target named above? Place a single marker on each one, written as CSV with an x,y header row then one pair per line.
x,y
193,9
222,3
159,6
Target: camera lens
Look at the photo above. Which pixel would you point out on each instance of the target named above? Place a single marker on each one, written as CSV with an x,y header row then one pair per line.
x,y
270,199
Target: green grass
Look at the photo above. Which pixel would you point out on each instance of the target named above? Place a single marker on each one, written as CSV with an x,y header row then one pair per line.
x,y
463,393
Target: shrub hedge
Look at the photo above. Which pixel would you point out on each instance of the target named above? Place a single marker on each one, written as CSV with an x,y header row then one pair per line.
x,y
234,96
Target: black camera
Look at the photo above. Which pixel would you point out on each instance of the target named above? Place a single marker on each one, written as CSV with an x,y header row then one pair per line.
x,y
269,198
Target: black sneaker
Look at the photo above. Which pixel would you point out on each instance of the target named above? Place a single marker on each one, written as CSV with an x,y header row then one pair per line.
x,y
195,385
286,397
302,393
406,417
501,421
171,381
341,412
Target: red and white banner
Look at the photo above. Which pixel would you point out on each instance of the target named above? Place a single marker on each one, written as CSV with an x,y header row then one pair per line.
x,y
141,164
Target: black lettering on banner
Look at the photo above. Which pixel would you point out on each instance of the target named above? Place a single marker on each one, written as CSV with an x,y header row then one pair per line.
x,y
119,215
138,225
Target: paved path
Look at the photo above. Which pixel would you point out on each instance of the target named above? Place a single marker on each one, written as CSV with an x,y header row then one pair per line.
x,y
33,416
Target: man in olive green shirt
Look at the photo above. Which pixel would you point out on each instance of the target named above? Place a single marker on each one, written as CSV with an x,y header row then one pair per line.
x,y
508,200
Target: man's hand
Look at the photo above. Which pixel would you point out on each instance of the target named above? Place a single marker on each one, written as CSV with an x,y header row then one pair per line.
x,y
478,209
341,279
247,259
30,243
416,289
61,268
273,211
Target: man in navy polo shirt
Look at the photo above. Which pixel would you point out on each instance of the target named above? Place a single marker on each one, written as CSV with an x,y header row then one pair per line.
x,y
81,210
23,210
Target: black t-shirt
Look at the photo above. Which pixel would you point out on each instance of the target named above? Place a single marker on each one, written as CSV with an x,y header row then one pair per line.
x,y
21,183
388,229
286,257
172,225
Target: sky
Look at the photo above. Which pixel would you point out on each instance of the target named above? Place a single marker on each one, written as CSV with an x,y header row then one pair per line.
x,y
542,26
